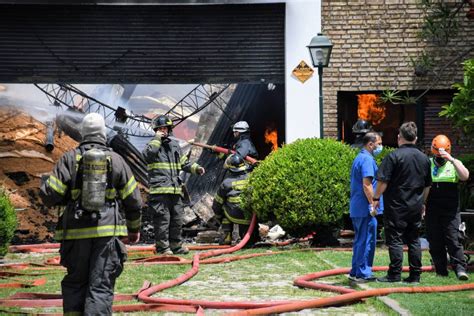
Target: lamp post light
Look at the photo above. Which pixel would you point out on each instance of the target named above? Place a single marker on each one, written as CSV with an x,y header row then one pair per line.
x,y
320,50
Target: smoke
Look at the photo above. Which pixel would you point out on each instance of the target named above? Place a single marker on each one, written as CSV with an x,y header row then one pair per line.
x,y
27,98
31,100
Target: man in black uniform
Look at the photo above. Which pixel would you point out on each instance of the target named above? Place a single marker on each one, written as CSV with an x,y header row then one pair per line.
x,y
226,204
92,182
165,161
404,178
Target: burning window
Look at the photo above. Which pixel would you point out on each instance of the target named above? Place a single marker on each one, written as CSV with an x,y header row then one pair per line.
x,y
370,108
271,137
384,118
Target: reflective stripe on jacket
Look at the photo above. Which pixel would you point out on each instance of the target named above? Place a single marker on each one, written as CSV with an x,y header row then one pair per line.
x,y
228,198
165,161
122,190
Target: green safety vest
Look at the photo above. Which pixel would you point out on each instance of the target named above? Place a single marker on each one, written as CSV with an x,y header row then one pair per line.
x,y
446,173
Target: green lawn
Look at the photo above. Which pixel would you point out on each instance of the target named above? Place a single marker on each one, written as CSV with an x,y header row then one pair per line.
x,y
271,278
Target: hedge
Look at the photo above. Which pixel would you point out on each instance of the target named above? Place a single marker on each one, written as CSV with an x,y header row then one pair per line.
x,y
8,222
303,185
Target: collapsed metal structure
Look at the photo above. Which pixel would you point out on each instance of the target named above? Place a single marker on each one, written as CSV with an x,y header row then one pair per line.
x,y
130,124
123,124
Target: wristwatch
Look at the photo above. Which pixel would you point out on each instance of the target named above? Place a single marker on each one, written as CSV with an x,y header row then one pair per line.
x,y
375,199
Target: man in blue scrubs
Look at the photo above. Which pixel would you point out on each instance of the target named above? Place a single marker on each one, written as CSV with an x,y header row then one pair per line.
x,y
362,212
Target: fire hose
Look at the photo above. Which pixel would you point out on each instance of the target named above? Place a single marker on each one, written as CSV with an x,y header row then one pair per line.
x,y
223,150
257,308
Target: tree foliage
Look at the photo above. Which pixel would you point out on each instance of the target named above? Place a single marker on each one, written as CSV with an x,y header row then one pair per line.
x,y
461,109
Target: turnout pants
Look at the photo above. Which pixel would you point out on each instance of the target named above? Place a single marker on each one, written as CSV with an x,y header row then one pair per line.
x,y
363,250
396,232
442,230
168,214
92,266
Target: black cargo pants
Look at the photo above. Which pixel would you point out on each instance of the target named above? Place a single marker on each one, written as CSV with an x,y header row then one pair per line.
x,y
92,266
168,215
442,231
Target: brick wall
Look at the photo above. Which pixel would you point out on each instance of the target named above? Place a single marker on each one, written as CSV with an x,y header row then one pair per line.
x,y
373,42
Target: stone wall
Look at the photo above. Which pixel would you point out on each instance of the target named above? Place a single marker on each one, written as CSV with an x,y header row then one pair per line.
x,y
373,42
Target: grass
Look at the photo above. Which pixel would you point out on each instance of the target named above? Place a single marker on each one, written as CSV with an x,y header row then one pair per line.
x,y
269,278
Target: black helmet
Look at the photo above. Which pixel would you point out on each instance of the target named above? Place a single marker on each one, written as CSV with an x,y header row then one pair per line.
x,y
361,127
161,121
235,163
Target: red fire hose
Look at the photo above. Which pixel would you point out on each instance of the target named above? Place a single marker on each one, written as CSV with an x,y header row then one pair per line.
x,y
223,151
352,297
255,308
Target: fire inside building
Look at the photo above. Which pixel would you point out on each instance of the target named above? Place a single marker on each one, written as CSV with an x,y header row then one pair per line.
x,y
242,60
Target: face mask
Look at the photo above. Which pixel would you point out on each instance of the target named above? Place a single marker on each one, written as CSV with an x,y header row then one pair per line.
x,y
440,161
377,150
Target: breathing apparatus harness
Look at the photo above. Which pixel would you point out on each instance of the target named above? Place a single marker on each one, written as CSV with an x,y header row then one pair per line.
x,y
93,169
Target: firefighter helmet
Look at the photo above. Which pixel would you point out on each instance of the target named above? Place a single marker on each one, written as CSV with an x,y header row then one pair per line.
x,y
241,127
235,163
161,121
440,141
361,127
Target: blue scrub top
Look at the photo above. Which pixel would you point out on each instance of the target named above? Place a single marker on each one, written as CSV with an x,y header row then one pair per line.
x,y
364,166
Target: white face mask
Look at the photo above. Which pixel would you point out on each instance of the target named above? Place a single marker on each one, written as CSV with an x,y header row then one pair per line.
x,y
377,150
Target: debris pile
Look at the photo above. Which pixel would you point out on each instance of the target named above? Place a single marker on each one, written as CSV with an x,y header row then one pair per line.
x,y
24,159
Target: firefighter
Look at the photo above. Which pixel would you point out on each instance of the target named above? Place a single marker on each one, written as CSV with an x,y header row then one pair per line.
x,y
102,203
165,161
244,145
442,210
226,203
359,129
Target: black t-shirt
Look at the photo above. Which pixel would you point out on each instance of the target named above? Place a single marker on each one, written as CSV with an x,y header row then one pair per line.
x,y
407,173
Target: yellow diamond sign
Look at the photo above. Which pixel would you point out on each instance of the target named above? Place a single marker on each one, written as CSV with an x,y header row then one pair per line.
x,y
302,72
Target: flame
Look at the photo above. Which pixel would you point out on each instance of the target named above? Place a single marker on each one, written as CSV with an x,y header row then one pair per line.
x,y
271,137
369,109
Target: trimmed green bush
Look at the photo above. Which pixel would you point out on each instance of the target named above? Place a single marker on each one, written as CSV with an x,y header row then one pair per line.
x,y
7,222
303,185
383,154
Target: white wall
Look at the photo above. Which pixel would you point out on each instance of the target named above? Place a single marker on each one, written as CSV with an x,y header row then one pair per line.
x,y
303,21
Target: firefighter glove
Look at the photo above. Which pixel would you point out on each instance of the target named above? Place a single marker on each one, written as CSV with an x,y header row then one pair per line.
x,y
133,237
159,134
200,171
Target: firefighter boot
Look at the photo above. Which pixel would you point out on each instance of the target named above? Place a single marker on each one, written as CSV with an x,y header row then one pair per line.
x,y
179,249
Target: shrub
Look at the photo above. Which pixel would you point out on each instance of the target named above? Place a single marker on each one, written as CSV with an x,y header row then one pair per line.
x,y
7,222
385,151
466,189
303,185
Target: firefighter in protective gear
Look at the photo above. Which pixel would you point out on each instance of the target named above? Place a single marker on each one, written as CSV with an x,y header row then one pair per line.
x,y
91,250
165,161
244,145
442,216
226,203
359,129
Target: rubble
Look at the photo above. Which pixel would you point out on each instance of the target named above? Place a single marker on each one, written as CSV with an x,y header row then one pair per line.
x,y
23,161
209,237
203,208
